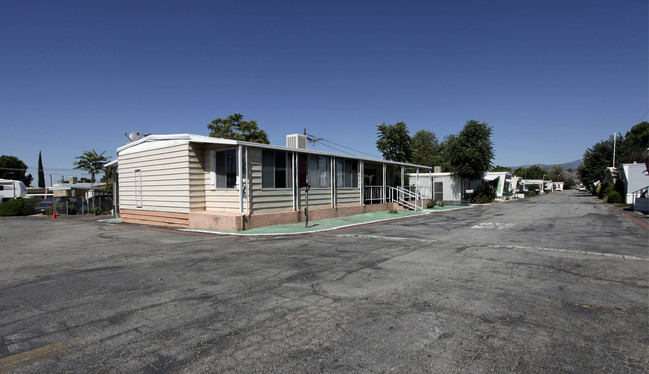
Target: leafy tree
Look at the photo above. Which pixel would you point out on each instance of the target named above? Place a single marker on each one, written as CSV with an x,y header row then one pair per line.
x,y
569,183
11,167
426,149
596,159
532,172
109,181
629,148
235,128
41,172
633,144
471,151
501,168
91,162
556,170
394,142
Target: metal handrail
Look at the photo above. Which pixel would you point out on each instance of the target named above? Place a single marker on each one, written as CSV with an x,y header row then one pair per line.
x,y
638,193
401,193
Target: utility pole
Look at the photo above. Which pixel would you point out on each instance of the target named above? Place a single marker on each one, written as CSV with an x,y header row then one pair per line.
x,y
614,141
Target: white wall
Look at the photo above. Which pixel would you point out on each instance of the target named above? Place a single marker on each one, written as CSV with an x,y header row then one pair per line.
x,y
165,178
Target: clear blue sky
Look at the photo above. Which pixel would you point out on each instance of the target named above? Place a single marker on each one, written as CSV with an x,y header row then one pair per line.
x,y
551,77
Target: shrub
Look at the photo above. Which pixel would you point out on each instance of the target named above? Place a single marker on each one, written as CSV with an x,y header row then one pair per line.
x,y
431,204
393,211
97,211
18,207
441,204
613,197
485,194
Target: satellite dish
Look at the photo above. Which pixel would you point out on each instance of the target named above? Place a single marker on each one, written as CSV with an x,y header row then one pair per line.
x,y
136,135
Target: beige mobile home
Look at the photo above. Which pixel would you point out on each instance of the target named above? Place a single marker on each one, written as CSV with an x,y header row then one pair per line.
x,y
200,182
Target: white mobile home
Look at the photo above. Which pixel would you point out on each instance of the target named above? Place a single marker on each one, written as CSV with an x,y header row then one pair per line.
x,y
11,189
635,178
202,182
446,187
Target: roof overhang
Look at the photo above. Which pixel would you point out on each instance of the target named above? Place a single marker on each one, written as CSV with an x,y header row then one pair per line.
x,y
160,141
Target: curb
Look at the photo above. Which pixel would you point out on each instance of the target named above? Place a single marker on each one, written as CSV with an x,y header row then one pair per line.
x,y
243,234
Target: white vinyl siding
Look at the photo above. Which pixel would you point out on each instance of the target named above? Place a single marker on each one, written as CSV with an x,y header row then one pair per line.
x,y
196,179
165,179
347,196
317,197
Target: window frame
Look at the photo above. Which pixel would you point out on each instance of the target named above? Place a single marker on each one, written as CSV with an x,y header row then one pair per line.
x,y
221,169
436,192
138,188
275,169
319,175
349,179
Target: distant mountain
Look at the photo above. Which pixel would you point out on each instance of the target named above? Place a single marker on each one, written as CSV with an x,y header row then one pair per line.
x,y
568,165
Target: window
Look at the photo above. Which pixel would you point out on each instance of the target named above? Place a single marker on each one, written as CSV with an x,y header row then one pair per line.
x,y
318,171
438,191
138,188
223,169
346,173
275,169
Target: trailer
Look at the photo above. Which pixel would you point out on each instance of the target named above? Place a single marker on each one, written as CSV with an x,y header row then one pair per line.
x,y
11,189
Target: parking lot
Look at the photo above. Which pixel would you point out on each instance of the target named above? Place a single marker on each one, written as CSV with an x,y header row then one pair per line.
x,y
556,283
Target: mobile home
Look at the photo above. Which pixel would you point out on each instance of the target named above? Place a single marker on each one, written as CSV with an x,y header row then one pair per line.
x,y
11,189
201,182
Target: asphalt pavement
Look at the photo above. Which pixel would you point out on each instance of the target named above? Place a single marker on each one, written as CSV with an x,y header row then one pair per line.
x,y
557,283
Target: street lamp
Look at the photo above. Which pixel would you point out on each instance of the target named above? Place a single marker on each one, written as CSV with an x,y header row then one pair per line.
x,y
307,187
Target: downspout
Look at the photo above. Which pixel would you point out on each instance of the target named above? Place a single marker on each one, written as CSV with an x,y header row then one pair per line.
x,y
240,172
334,192
417,189
361,182
294,184
384,192
247,170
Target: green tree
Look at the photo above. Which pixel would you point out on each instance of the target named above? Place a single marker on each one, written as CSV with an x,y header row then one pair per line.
x,y
108,180
426,149
11,167
633,144
41,172
501,168
91,162
394,142
532,172
596,159
235,128
471,151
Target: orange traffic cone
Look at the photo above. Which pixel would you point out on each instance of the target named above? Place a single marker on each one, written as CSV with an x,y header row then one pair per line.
x,y
53,214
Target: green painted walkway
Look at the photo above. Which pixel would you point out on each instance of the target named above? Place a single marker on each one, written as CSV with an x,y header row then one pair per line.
x,y
331,223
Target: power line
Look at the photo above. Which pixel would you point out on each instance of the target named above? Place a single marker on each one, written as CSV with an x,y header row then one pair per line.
x,y
644,115
315,139
351,149
339,150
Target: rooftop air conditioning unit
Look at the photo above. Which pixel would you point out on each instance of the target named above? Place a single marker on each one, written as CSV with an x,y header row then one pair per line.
x,y
296,141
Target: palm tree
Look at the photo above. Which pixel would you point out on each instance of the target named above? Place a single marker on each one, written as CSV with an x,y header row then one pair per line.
x,y
91,162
